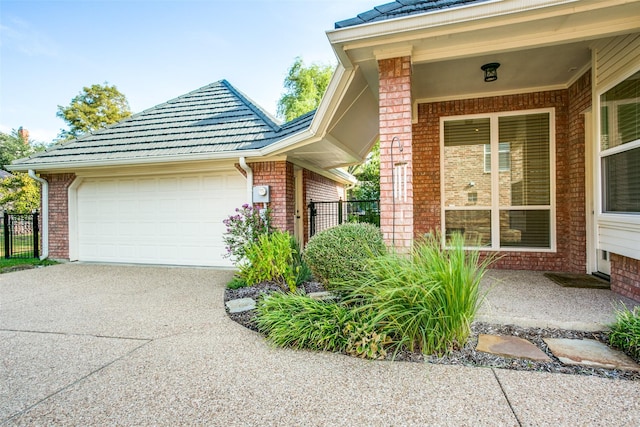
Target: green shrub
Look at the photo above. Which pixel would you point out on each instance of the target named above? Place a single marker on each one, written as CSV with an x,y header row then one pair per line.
x,y
244,228
236,283
270,259
303,272
425,301
342,253
625,332
297,321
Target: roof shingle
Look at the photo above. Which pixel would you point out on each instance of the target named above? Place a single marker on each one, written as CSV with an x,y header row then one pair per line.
x,y
213,119
401,8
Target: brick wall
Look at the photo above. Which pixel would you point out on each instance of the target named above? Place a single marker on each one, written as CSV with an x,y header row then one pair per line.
x,y
59,214
320,189
570,178
279,177
579,102
395,122
625,276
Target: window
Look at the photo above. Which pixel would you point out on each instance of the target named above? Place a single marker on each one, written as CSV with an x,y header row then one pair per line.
x,y
497,180
504,155
620,147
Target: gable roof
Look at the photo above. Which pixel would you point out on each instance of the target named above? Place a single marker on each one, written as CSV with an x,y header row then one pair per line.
x,y
216,118
400,8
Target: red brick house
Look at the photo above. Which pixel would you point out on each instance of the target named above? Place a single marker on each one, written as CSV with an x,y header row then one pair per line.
x,y
515,123
155,188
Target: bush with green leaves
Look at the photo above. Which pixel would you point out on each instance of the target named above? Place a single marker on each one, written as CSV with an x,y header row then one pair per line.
x,y
424,301
243,228
270,259
303,272
237,282
625,332
343,252
300,322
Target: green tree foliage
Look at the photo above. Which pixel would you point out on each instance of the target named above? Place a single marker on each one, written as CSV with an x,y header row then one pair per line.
x,y
18,192
368,175
94,108
304,87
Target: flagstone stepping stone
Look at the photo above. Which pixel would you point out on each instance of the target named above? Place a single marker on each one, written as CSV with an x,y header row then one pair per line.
x,y
510,346
589,353
240,305
321,296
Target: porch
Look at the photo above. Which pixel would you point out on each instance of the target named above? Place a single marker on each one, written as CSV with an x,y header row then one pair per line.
x,y
529,299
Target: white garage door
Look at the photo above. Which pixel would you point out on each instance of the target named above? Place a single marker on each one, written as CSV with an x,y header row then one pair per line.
x,y
173,219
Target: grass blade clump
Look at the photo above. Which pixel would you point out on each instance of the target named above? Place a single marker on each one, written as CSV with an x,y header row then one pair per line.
x,y
625,332
424,301
297,321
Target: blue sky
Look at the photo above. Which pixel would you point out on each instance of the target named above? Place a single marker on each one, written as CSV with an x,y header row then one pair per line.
x,y
153,51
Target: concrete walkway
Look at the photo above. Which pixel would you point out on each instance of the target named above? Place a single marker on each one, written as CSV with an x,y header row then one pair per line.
x,y
95,345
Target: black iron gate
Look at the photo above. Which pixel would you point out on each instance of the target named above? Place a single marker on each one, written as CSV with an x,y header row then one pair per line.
x,y
20,235
323,215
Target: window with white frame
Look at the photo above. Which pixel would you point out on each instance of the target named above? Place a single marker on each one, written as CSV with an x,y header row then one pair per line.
x,y
497,179
503,154
620,147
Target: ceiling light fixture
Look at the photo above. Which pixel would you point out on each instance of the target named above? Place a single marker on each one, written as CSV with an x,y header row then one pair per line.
x,y
490,71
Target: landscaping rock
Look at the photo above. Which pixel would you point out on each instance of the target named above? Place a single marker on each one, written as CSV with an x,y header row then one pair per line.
x,y
240,305
510,346
321,296
589,353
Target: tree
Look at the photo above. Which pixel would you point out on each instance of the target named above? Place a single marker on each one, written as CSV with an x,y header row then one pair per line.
x,y
94,108
368,175
304,87
18,192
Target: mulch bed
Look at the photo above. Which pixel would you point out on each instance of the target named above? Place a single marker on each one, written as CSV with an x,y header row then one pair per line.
x,y
467,356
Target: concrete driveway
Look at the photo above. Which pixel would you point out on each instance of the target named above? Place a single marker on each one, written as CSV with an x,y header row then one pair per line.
x,y
120,345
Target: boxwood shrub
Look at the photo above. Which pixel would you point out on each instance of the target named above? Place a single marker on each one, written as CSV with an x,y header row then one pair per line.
x,y
342,253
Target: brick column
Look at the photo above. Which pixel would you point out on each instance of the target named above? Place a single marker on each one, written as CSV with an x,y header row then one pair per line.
x,y
396,216
59,214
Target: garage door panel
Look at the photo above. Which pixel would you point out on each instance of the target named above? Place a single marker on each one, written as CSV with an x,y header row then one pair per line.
x,y
157,220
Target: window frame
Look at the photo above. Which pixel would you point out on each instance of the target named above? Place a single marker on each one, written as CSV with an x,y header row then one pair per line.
x,y
614,219
501,150
495,207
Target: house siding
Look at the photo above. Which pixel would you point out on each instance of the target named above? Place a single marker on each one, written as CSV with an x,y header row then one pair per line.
x,y
625,276
396,219
570,181
59,214
614,56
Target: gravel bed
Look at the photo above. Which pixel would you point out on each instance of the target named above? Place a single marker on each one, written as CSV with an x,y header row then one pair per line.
x,y
467,356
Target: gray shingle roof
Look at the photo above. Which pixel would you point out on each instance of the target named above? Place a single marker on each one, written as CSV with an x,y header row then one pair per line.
x,y
401,8
213,119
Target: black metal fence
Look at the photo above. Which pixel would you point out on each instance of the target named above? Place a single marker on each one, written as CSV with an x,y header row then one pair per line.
x,y
323,215
20,235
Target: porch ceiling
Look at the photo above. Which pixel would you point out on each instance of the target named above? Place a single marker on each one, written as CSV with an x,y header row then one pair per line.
x,y
538,47
526,70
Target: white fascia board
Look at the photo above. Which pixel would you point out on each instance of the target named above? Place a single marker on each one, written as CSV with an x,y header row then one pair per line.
x,y
333,174
456,15
336,89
